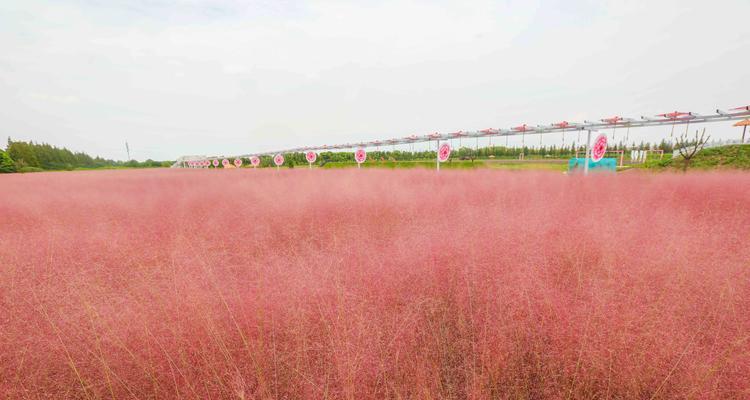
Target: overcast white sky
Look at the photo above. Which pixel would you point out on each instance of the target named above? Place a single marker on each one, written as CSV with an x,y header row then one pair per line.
x,y
175,77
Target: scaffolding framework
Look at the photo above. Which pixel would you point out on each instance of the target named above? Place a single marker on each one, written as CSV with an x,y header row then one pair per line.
x,y
667,119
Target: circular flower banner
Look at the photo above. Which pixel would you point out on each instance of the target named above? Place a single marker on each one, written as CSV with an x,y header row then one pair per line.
x,y
237,162
360,156
254,161
278,159
216,163
225,162
444,152
599,148
311,156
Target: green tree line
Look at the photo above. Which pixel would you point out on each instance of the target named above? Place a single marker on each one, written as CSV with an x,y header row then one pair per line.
x,y
20,156
463,153
29,156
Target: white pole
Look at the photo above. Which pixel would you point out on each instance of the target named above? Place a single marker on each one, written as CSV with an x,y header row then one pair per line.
x,y
586,159
437,155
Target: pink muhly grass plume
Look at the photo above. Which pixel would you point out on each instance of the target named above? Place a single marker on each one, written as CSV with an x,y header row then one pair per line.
x,y
374,284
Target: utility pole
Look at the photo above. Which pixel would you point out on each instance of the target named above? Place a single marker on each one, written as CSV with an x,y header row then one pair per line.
x,y
127,148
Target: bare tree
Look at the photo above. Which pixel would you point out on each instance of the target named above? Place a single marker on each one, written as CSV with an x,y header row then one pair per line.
x,y
688,148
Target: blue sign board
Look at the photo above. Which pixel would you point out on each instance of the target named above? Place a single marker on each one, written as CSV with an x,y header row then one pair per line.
x,y
605,164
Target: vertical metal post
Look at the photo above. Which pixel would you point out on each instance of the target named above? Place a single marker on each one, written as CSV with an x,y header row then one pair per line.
x,y
437,155
586,159
627,135
671,135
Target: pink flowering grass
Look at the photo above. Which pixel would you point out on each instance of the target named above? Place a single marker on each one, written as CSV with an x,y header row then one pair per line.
x,y
374,284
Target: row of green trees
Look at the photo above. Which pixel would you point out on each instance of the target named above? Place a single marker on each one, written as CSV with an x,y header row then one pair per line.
x,y
29,156
465,153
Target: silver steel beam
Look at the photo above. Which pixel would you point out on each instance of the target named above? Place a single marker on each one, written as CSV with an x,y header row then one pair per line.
x,y
644,121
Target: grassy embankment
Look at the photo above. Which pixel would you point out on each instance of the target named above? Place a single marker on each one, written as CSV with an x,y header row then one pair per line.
x,y
458,164
725,157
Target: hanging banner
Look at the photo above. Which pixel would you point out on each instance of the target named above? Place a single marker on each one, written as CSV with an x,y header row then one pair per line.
x,y
237,162
278,159
216,163
311,156
254,161
360,156
599,148
225,162
444,152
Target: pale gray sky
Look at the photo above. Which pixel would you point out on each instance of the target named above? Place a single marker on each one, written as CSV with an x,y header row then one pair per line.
x,y
178,77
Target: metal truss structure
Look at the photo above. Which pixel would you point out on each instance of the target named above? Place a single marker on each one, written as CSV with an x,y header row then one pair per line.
x,y
667,119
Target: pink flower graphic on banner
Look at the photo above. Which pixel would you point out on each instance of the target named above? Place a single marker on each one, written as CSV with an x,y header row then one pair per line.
x,y
599,148
225,162
278,159
444,152
311,156
254,161
216,163
360,156
238,162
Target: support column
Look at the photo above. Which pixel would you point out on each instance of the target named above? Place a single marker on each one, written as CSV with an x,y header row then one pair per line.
x,y
586,159
437,155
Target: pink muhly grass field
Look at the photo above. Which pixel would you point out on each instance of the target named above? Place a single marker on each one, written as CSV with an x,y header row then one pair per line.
x,y
374,284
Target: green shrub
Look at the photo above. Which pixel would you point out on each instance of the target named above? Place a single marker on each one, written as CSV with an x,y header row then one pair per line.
x,y
30,169
6,163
